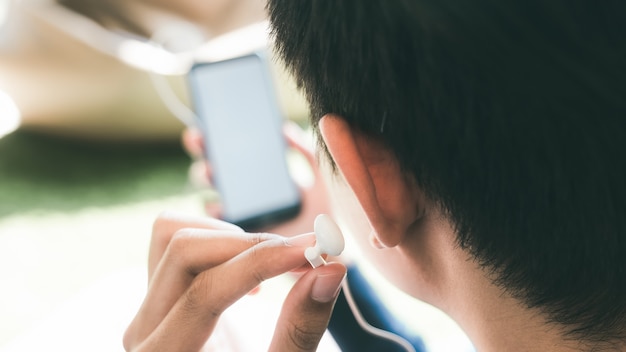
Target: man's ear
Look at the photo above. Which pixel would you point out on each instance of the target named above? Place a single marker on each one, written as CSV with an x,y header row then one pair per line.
x,y
390,198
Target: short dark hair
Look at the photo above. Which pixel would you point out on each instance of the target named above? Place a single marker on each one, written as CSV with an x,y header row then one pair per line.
x,y
509,114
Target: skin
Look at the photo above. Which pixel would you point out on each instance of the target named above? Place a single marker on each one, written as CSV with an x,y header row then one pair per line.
x,y
314,197
188,256
412,244
403,234
188,253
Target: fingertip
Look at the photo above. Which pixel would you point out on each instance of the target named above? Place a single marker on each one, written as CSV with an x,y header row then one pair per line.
x,y
192,142
198,174
214,210
328,282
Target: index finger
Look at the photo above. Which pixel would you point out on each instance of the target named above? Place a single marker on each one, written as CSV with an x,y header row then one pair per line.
x,y
191,320
168,223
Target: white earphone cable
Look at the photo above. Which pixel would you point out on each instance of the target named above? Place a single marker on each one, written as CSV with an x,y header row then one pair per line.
x,y
161,85
172,102
369,328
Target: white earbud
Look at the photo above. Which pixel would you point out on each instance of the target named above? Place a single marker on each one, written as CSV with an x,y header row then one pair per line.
x,y
328,240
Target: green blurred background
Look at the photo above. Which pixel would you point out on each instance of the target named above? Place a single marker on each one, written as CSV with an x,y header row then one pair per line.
x,y
41,173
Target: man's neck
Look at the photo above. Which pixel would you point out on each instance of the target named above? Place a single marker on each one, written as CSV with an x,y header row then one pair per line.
x,y
492,319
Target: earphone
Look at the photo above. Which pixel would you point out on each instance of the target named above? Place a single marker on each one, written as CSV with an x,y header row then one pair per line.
x,y
328,240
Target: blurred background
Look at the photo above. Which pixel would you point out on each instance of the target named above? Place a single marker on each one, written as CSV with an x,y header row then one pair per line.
x,y
90,154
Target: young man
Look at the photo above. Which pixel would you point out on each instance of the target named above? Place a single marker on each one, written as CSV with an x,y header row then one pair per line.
x,y
477,152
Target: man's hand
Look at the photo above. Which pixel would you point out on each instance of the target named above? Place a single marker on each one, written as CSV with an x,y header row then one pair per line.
x,y
314,196
200,266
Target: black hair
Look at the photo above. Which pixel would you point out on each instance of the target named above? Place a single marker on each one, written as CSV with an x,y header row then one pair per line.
x,y
509,114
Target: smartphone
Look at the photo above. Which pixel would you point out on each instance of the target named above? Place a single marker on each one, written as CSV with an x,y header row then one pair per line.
x,y
241,123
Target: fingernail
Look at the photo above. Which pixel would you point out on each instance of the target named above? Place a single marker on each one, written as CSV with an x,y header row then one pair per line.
x,y
326,287
305,240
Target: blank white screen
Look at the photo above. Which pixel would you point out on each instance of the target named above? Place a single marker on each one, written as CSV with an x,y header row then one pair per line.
x,y
242,128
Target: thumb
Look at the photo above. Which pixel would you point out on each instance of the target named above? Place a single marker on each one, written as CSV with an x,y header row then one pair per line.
x,y
307,309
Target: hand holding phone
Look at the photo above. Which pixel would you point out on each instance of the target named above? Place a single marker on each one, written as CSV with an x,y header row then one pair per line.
x,y
313,192
242,129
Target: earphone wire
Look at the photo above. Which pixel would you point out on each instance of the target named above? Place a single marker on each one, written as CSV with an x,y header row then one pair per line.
x,y
387,335
164,90
172,102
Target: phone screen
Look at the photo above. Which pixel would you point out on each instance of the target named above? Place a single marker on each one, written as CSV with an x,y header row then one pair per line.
x,y
242,128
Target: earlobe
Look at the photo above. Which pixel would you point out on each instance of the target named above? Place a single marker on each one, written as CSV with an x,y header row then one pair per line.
x,y
389,198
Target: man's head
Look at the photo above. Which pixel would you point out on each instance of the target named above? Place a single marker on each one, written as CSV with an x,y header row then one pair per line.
x,y
510,116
